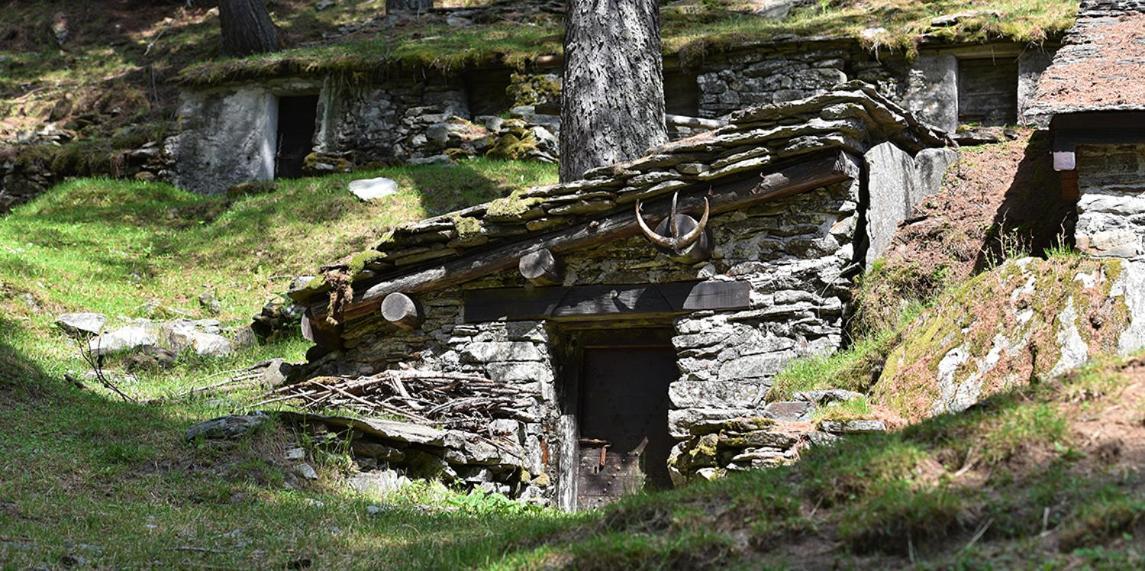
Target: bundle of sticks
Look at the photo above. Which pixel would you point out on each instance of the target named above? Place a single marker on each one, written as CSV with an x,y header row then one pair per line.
x,y
455,399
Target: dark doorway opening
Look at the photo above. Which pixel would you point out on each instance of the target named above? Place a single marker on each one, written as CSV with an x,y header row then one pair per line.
x,y
296,118
622,379
988,91
681,93
487,92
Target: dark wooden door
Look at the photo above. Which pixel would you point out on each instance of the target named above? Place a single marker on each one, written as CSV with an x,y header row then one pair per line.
x,y
296,118
624,440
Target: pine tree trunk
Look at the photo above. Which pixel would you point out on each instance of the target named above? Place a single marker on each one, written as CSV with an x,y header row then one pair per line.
x,y
247,28
612,99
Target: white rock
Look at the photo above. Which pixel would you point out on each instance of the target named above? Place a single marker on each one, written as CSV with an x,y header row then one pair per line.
x,y
306,471
295,454
183,334
81,324
123,339
368,189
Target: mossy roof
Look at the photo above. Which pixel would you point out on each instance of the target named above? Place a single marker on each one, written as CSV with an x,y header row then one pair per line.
x,y
688,33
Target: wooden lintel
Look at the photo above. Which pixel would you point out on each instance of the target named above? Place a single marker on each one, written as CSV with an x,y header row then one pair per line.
x,y
584,302
826,170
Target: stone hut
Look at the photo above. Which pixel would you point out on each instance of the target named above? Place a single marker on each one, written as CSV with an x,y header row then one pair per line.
x,y
626,328
252,128
1093,100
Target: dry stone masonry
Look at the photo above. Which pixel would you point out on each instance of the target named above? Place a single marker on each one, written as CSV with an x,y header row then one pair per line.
x,y
790,221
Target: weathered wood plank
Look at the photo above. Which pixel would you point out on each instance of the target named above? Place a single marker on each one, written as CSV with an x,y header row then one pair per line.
x,y
801,177
509,304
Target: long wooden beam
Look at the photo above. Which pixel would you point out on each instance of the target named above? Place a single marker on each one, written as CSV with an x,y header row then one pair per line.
x,y
578,302
797,178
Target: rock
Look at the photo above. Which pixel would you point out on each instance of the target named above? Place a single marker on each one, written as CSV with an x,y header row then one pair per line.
x,y
376,510
323,4
227,427
433,160
369,189
467,449
81,325
295,454
306,471
376,450
124,339
274,373
209,302
151,358
790,411
183,334
377,483
457,21
852,426
824,397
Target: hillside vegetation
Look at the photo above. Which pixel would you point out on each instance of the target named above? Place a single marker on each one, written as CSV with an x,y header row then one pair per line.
x,y
1046,471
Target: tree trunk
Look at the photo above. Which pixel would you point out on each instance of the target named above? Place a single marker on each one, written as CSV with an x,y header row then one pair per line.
x,y
612,100
417,6
247,28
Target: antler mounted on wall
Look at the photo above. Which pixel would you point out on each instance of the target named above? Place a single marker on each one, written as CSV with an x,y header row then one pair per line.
x,y
679,235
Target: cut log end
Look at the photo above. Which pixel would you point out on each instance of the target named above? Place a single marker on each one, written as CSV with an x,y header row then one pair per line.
x,y
401,310
541,268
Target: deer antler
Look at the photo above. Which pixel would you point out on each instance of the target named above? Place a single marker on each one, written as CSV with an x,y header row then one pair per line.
x,y
676,242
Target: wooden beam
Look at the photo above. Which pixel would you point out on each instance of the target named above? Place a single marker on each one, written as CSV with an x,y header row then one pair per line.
x,y
580,302
401,310
541,268
837,167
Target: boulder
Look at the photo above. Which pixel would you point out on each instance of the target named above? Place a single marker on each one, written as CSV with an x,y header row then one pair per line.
x,y
377,482
369,189
124,339
202,337
81,325
227,427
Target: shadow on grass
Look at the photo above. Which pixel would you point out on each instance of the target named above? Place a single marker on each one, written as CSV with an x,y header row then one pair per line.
x,y
88,477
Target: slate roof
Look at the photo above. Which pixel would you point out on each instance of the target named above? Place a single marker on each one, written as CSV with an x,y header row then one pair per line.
x,y
852,118
1100,66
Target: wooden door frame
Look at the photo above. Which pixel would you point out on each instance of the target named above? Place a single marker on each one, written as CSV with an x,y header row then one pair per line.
x,y
573,339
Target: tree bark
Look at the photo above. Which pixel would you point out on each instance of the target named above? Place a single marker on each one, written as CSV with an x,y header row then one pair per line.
x,y
247,28
612,100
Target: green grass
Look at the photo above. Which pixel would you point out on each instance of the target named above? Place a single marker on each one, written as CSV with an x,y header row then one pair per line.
x,y
1004,472
85,477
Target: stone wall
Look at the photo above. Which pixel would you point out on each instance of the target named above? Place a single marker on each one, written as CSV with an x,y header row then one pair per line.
x,y
788,72
793,252
225,138
1111,210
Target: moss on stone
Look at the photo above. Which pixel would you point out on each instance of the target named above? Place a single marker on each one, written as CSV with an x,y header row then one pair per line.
x,y
514,207
360,261
1007,321
513,146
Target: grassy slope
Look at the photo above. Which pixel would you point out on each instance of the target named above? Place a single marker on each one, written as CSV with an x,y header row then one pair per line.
x,y
1045,477
83,475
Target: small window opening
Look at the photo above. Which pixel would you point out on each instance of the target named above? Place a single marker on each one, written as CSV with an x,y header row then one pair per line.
x,y
988,92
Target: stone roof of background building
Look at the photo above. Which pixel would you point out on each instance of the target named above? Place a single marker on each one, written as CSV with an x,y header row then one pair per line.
x,y
1101,66
851,118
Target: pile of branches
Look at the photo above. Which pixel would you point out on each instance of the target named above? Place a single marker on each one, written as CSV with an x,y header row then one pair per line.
x,y
456,400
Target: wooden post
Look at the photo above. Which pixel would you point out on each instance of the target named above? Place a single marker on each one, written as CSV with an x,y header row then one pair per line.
x,y
400,309
541,268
